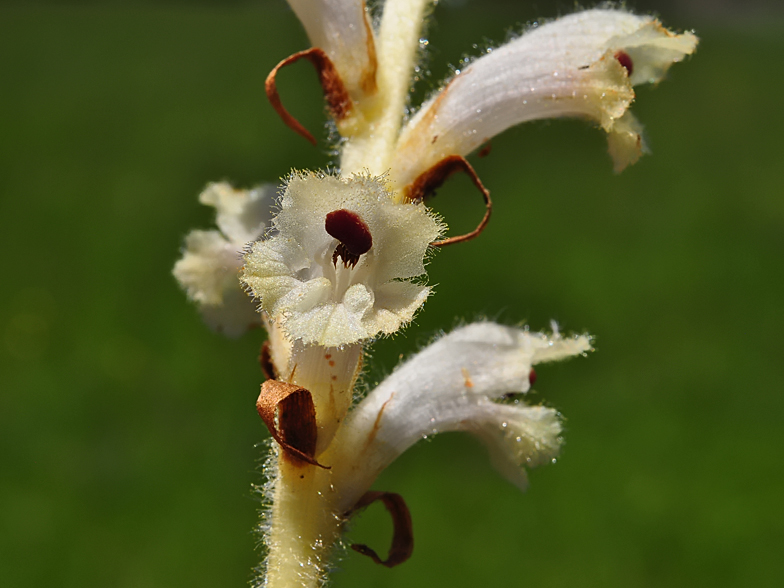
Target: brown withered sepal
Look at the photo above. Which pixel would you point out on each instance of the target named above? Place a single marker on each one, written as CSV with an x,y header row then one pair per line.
x,y
295,427
402,529
338,99
429,181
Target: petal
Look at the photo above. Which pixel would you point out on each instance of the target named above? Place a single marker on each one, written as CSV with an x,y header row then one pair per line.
x,y
234,316
331,324
208,266
242,215
405,232
451,385
566,68
309,316
208,272
397,302
625,142
342,29
517,436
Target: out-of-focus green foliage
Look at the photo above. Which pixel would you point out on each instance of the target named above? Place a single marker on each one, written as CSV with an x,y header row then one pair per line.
x,y
127,429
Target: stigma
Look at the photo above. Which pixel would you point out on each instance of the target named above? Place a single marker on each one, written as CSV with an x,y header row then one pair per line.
x,y
352,233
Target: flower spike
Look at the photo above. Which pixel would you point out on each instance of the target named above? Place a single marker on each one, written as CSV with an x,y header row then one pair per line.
x,y
338,260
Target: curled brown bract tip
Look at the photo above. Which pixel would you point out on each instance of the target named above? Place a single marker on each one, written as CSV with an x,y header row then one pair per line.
x,y
295,428
335,92
402,533
427,182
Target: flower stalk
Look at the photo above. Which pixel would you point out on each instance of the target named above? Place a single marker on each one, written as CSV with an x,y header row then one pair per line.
x,y
371,148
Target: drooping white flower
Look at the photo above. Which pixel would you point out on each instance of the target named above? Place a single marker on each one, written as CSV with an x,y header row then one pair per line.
x,y
582,65
338,268
211,260
455,384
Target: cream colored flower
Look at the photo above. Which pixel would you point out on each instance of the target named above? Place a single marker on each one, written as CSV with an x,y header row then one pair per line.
x,y
338,269
211,260
455,384
582,65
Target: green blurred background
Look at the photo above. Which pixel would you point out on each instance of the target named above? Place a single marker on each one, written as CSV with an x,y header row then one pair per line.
x,y
127,429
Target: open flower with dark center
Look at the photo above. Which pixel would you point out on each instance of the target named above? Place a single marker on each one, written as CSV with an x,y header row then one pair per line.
x,y
338,269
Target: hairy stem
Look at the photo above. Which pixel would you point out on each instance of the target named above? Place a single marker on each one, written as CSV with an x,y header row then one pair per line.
x,y
303,522
397,50
304,527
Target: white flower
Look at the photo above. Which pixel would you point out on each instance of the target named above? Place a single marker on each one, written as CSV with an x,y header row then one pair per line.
x,y
211,260
455,384
582,65
337,270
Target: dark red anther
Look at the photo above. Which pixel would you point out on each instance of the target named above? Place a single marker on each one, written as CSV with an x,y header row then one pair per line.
x,y
532,377
352,233
626,61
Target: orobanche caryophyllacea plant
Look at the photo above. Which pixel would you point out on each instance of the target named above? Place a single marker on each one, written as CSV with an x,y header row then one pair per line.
x,y
337,259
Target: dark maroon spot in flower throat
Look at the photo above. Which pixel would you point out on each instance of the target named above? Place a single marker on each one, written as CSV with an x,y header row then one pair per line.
x,y
532,377
626,61
353,235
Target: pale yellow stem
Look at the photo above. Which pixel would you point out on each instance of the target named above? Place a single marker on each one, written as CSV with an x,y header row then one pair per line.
x,y
304,527
303,522
397,48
